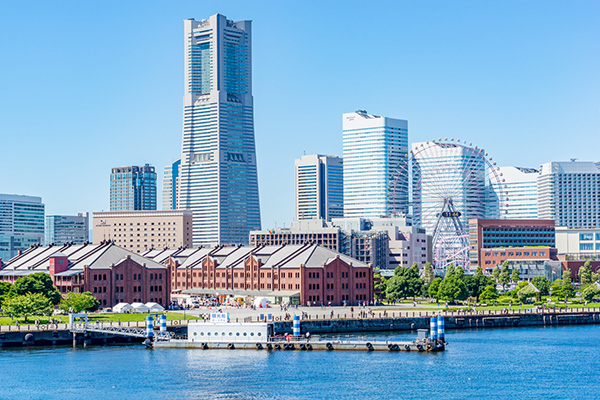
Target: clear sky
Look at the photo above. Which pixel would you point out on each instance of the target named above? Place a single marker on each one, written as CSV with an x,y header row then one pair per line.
x,y
90,85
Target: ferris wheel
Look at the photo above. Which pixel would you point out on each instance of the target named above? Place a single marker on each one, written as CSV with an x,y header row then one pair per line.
x,y
443,184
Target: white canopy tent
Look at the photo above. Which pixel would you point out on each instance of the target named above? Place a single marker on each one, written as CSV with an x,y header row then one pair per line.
x,y
140,308
155,307
260,302
122,308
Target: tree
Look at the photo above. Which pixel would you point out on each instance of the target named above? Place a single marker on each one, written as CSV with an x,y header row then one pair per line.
x,y
478,271
452,288
434,287
527,292
504,277
567,285
515,276
477,283
37,283
489,293
77,302
4,291
542,283
585,274
406,282
589,292
496,274
557,288
449,270
428,273
27,304
379,284
459,272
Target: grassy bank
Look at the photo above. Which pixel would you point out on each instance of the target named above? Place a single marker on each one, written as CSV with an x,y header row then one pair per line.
x,y
4,320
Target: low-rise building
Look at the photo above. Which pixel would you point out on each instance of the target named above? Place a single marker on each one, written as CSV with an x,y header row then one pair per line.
x,y
111,273
493,241
383,242
144,230
298,274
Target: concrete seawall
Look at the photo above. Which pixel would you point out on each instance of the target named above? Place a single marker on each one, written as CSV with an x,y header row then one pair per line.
x,y
453,321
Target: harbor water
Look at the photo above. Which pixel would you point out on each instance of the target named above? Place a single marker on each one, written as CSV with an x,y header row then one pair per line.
x,y
534,363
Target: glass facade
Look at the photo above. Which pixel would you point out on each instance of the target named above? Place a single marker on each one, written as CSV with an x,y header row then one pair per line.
x,y
568,193
133,188
319,187
170,186
218,178
374,147
67,229
21,224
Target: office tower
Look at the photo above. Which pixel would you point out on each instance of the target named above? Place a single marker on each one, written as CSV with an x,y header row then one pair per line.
x,y
67,229
568,192
170,185
374,149
319,187
133,188
448,175
520,185
218,179
21,223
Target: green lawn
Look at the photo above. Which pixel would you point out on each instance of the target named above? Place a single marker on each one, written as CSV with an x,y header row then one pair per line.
x,y
4,320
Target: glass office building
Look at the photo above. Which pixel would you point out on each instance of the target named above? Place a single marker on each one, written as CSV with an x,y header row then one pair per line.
x,y
374,148
218,177
21,224
133,188
319,187
67,229
520,185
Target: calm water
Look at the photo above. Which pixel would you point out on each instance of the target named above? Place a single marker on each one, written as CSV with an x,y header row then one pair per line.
x,y
523,363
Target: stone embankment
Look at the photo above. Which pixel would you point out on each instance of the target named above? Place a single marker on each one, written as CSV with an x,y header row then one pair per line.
x,y
379,322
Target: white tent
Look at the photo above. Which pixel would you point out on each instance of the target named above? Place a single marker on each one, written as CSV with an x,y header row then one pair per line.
x,y
140,307
154,307
122,308
260,302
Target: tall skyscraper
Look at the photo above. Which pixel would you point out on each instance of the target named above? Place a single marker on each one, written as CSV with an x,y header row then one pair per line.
x,y
448,172
319,187
218,179
67,229
170,185
521,188
21,223
133,188
568,192
374,148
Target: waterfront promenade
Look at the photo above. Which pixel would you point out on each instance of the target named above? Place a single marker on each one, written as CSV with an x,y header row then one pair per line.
x,y
326,314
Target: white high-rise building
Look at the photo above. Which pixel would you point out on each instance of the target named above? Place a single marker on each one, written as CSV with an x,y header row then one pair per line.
x,y
374,148
569,193
521,188
218,178
319,187
448,172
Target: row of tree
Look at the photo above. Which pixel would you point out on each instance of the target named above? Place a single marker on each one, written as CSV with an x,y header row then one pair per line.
x,y
409,282
36,295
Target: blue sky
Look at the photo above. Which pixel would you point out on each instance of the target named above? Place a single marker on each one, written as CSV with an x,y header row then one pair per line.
x,y
87,86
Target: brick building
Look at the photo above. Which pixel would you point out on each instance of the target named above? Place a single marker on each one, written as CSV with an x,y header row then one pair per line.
x,y
284,273
111,273
492,241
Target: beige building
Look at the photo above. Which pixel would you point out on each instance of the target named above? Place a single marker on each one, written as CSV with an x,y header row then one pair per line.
x,y
144,230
